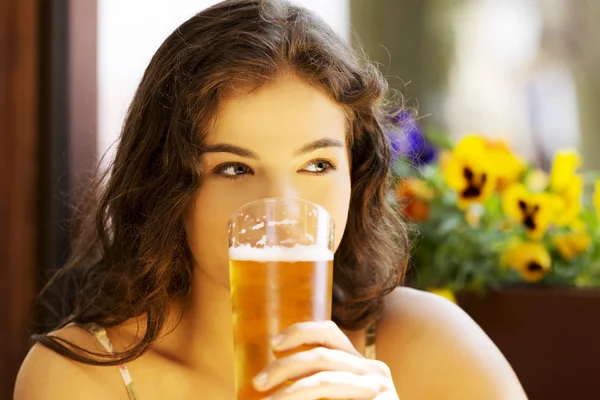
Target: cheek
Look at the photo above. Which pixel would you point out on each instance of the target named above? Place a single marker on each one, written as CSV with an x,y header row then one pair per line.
x,y
334,195
206,225
206,230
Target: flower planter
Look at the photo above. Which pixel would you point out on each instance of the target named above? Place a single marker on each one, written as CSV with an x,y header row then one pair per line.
x,y
551,337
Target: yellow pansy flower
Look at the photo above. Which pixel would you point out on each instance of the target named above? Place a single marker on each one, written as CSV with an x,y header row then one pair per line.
x,y
571,198
567,184
536,211
507,166
570,245
445,293
530,259
565,163
467,170
597,198
578,226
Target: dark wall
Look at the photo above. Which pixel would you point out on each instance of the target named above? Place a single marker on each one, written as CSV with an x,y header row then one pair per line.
x,y
19,217
47,150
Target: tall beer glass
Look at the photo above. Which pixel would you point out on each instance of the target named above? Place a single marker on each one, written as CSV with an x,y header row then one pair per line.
x,y
281,268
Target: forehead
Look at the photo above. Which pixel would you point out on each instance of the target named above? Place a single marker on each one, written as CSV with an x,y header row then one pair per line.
x,y
286,111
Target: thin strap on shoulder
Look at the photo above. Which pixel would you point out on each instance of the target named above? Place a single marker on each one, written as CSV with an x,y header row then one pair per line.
x,y
100,334
370,351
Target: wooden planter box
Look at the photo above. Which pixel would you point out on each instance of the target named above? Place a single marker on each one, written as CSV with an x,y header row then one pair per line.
x,y
551,337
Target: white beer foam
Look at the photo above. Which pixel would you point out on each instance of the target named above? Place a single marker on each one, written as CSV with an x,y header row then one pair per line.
x,y
297,253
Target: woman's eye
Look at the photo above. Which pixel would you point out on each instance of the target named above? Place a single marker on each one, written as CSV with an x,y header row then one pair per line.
x,y
319,167
233,170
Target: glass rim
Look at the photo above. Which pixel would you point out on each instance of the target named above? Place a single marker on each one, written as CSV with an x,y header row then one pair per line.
x,y
276,200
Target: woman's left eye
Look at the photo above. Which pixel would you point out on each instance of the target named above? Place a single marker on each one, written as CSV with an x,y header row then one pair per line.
x,y
319,167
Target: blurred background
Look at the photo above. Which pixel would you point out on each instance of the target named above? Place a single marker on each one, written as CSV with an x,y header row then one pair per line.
x,y
523,70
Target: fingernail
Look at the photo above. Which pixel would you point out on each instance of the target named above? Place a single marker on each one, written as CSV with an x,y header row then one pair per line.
x,y
260,380
277,340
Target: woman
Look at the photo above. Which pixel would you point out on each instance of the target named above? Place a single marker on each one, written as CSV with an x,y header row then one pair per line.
x,y
217,121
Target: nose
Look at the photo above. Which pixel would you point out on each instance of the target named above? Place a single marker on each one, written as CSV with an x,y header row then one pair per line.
x,y
282,186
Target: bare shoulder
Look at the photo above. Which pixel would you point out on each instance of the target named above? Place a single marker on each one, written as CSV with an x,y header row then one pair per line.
x,y
436,351
48,375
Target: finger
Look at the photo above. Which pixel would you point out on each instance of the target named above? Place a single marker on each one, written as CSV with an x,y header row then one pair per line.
x,y
319,333
309,362
332,385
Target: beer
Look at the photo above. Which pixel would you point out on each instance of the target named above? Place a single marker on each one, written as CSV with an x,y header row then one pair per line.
x,y
271,289
281,271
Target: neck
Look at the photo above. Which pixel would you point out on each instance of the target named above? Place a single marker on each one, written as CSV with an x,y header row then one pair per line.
x,y
202,341
208,324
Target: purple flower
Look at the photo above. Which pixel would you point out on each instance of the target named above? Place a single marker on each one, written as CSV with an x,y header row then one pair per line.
x,y
408,141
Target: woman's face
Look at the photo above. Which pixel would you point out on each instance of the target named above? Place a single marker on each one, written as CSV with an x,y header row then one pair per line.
x,y
287,139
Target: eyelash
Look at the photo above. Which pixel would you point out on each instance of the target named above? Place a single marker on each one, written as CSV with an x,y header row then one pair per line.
x,y
330,166
220,169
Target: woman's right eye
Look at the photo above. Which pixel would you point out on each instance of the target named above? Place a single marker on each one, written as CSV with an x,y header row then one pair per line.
x,y
233,170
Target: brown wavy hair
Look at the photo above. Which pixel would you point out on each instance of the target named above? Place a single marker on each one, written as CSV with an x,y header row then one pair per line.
x,y
130,257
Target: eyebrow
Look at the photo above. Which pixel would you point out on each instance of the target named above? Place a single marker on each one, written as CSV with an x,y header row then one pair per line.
x,y
242,152
229,148
319,144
